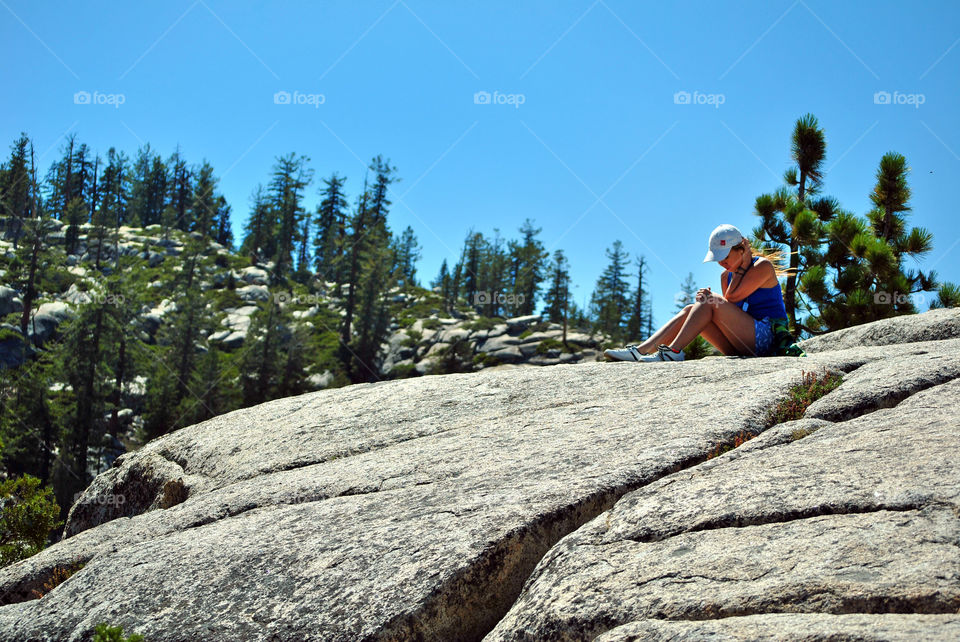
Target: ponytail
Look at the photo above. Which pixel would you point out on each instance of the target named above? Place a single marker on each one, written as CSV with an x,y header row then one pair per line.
x,y
775,255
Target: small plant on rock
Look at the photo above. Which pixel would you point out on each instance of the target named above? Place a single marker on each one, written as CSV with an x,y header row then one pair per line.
x,y
811,388
742,437
60,575
105,633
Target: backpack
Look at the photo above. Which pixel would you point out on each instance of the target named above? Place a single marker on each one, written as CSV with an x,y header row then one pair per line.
x,y
784,343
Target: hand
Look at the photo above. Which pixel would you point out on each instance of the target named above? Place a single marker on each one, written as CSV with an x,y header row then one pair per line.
x,y
703,294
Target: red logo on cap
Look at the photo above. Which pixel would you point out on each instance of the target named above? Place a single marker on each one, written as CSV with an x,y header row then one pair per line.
x,y
723,242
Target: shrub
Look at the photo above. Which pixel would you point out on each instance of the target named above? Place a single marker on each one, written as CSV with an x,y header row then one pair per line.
x,y
403,371
483,323
413,339
60,575
697,349
811,388
431,324
742,437
6,334
104,633
800,433
27,515
485,359
548,344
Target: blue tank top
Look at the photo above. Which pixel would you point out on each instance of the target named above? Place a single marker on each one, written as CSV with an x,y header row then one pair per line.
x,y
763,302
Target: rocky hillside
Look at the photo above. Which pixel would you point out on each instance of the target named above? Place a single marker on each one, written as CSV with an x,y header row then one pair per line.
x,y
424,338
572,503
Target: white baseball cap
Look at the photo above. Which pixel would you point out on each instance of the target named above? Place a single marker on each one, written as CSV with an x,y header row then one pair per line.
x,y
722,240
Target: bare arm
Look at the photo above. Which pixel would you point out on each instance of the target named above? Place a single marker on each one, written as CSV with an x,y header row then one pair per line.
x,y
743,285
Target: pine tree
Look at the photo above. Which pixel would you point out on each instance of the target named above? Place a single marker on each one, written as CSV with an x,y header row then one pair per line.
x,y
34,253
15,192
148,188
290,177
369,256
259,363
170,399
224,231
688,293
114,203
302,274
204,203
373,315
27,427
640,308
331,229
455,280
948,296
75,216
260,242
407,252
373,258
557,297
793,218
62,181
179,191
609,303
861,276
84,358
471,262
495,276
530,262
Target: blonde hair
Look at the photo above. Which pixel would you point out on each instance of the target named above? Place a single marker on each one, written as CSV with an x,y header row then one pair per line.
x,y
775,255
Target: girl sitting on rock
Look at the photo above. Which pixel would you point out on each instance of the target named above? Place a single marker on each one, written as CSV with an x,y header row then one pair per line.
x,y
748,319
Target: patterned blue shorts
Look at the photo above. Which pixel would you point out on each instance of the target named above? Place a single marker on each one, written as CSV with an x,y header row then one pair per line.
x,y
763,330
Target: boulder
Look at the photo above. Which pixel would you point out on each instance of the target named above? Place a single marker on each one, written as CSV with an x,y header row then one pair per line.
x,y
42,327
255,275
532,503
930,326
498,343
509,354
11,347
9,301
452,334
56,309
254,293
858,515
516,325
75,296
321,380
497,330
580,339
537,337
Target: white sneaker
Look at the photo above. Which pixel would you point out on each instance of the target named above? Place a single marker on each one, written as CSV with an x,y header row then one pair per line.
x,y
664,353
627,353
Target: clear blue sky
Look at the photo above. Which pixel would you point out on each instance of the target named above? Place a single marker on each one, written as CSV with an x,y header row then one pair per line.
x,y
598,150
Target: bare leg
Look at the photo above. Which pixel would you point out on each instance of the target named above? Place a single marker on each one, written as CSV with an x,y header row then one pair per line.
x,y
717,339
665,334
732,322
